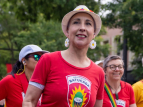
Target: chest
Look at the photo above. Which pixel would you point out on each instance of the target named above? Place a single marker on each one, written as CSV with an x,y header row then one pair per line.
x,y
15,95
123,101
72,86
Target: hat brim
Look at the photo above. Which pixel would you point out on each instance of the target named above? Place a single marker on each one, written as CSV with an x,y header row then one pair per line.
x,y
98,62
67,17
43,51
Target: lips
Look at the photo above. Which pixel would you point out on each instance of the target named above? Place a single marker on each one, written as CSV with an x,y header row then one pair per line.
x,y
116,74
81,35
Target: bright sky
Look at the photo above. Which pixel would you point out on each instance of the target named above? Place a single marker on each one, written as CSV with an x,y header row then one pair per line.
x,y
105,1
102,12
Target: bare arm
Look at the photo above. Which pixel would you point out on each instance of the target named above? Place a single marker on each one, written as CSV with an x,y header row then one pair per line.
x,y
133,105
2,102
32,96
98,103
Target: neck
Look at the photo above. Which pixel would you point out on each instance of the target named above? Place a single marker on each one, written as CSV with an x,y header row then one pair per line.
x,y
78,52
114,85
77,59
28,74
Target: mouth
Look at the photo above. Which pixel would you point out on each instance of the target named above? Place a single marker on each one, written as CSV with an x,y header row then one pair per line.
x,y
81,35
116,74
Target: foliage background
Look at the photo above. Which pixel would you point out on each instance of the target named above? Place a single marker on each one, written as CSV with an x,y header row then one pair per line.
x,y
24,22
128,15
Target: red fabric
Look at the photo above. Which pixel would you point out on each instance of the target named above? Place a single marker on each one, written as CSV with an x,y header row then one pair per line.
x,y
126,96
11,90
63,81
9,67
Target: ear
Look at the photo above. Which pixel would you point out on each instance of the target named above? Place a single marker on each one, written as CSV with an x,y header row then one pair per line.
x,y
94,35
23,61
67,34
104,71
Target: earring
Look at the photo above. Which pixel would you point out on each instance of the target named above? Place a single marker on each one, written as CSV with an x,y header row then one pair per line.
x,y
23,62
20,70
67,42
92,44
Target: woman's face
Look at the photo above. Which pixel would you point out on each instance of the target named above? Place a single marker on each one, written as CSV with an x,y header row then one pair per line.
x,y
31,62
112,71
81,30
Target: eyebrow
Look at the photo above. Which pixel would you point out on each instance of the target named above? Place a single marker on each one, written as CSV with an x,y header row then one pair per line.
x,y
89,20
76,19
79,20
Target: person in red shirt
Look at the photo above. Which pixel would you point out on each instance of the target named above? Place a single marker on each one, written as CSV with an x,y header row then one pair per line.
x,y
13,87
117,93
69,78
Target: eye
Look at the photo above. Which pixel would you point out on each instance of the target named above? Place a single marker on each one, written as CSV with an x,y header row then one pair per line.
x,y
88,23
120,66
112,67
75,22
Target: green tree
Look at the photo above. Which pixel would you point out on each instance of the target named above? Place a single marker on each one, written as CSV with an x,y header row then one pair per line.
x,y
46,33
49,35
51,9
127,14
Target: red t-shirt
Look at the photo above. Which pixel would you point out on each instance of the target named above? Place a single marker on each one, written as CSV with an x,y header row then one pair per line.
x,y
12,91
126,96
67,85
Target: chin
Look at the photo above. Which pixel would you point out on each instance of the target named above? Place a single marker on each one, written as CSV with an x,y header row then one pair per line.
x,y
80,46
117,78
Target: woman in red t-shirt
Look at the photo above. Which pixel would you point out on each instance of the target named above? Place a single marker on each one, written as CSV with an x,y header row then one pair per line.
x,y
13,87
69,78
121,92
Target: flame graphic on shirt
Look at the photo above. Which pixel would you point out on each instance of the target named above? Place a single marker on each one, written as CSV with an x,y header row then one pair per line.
x,y
78,97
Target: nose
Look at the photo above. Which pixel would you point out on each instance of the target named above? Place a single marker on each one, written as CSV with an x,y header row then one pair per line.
x,y
117,68
82,27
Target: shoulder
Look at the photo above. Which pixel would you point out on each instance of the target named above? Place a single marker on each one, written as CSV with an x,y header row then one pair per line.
x,y
126,86
50,56
8,80
97,68
138,84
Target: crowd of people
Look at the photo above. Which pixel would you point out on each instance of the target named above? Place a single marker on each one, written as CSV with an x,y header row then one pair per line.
x,y
69,78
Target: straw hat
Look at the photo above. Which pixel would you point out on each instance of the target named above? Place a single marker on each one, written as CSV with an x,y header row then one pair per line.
x,y
81,8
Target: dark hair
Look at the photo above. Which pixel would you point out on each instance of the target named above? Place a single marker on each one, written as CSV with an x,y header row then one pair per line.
x,y
18,66
110,58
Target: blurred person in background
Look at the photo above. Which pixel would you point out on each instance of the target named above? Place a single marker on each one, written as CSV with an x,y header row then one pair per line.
x,y
69,78
99,63
138,91
117,93
13,87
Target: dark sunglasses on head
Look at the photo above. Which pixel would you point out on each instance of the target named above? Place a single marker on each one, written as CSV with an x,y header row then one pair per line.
x,y
35,56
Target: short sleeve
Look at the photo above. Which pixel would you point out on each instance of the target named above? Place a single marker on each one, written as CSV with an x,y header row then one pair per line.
x,y
136,90
42,70
132,97
4,84
100,92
